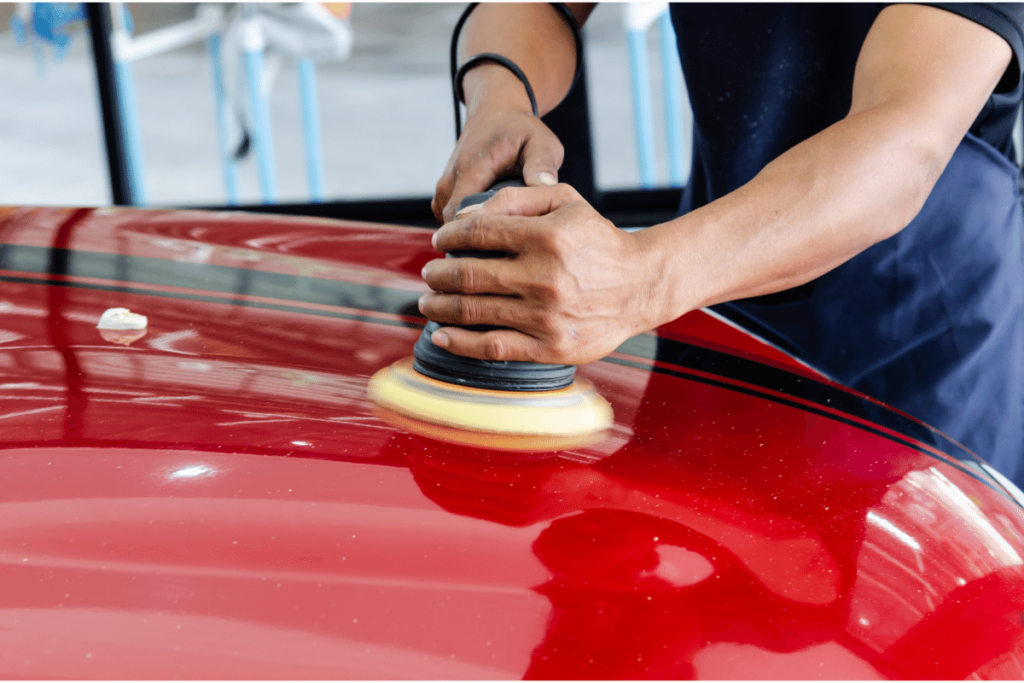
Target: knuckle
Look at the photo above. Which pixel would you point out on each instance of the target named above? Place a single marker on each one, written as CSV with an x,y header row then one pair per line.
x,y
561,343
558,287
549,322
468,311
568,194
464,277
442,186
562,240
503,150
495,348
502,141
475,229
503,194
464,172
561,350
546,293
557,153
547,239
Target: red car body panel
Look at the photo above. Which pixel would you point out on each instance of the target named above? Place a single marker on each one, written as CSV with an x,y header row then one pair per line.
x,y
218,499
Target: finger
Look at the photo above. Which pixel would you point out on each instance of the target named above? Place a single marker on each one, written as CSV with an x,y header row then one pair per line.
x,y
477,309
542,157
482,231
443,191
468,275
529,201
476,178
492,345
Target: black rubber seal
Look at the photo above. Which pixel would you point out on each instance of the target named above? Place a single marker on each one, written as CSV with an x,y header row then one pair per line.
x,y
431,360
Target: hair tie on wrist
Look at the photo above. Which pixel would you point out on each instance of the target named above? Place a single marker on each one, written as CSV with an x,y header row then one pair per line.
x,y
457,74
481,58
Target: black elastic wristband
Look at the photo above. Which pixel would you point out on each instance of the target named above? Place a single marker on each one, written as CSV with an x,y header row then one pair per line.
x,y
484,57
563,11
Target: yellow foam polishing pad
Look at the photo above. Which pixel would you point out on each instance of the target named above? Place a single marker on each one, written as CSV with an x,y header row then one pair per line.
x,y
573,411
523,445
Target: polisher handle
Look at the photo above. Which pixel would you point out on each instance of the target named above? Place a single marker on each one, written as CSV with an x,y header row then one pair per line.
x,y
480,198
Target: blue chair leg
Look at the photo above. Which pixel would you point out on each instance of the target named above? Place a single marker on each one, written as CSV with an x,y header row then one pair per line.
x,y
227,160
642,109
673,101
311,126
262,136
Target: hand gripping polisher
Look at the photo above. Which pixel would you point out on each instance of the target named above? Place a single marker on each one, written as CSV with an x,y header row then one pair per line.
x,y
510,405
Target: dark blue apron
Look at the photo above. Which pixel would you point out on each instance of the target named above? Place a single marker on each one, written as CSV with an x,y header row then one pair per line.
x,y
931,320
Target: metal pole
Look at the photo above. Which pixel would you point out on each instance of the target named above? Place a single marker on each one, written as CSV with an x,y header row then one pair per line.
x,y
129,109
642,108
110,104
130,125
262,136
311,126
223,116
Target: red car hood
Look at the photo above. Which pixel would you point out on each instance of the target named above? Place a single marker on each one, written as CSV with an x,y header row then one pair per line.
x,y
218,499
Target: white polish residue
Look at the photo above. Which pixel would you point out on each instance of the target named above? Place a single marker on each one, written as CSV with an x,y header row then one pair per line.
x,y
121,319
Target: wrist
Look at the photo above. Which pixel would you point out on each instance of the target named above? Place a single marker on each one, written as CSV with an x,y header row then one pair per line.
x,y
494,86
673,291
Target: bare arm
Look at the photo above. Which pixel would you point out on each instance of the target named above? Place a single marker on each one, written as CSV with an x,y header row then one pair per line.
x,y
501,134
535,37
578,287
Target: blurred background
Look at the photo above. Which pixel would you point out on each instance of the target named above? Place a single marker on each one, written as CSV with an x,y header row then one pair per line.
x,y
383,102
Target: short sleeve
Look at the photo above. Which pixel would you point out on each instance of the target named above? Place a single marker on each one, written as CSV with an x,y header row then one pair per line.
x,y
1005,19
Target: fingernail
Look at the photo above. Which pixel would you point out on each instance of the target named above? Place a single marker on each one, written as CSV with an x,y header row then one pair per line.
x,y
545,178
440,338
467,209
419,304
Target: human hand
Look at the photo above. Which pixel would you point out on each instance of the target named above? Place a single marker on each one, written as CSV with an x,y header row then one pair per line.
x,y
497,141
573,288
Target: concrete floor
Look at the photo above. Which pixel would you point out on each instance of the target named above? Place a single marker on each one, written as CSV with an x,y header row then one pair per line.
x,y
386,115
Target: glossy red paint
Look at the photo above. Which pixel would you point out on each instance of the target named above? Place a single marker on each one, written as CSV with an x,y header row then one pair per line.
x,y
218,499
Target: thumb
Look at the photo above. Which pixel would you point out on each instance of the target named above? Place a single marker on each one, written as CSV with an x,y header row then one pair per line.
x,y
542,157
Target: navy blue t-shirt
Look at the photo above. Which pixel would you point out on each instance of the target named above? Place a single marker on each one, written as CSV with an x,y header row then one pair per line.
x,y
764,77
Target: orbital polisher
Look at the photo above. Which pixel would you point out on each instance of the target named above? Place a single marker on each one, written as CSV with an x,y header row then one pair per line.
x,y
508,405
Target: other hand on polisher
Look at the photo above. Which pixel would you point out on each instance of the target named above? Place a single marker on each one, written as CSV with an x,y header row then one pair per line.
x,y
511,405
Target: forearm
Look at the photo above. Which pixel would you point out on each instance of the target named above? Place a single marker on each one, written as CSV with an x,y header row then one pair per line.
x,y
535,37
813,208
